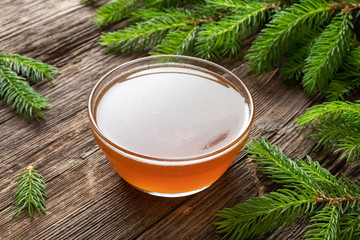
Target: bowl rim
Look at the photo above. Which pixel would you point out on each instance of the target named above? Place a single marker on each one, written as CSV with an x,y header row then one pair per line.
x,y
166,161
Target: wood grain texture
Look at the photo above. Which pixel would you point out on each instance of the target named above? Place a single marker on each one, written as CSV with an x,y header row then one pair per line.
x,y
87,199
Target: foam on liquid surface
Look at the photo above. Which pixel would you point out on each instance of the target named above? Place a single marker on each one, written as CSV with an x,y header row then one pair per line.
x,y
172,112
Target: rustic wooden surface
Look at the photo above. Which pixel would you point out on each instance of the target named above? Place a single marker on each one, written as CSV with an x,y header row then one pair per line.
x,y
87,199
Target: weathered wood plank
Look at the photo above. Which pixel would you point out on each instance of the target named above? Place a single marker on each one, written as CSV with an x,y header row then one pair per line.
x,y
87,199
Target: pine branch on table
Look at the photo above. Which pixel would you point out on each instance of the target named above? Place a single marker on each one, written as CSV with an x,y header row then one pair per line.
x,y
292,69
264,214
309,191
171,3
16,90
221,38
178,42
146,34
88,1
350,224
216,28
280,35
336,125
327,54
31,193
118,10
347,79
325,224
115,11
30,68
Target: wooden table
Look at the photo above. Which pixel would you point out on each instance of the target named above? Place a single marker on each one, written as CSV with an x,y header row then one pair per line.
x,y
87,199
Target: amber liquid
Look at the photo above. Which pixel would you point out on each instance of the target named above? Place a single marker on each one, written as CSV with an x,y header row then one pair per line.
x,y
176,118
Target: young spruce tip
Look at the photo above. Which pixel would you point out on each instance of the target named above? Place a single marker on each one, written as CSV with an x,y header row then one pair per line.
x,y
31,193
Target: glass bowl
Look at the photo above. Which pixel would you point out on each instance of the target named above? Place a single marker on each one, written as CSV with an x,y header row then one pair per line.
x,y
170,125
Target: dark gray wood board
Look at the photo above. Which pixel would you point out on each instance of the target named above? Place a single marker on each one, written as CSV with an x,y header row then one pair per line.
x,y
87,199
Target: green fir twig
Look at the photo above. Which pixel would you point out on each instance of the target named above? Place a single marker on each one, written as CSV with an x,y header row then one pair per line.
x,y
309,192
147,34
31,193
283,30
328,52
293,68
16,90
30,68
336,125
214,29
115,11
221,38
348,77
88,1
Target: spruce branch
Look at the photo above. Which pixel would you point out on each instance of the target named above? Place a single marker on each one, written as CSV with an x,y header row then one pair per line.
x,y
145,35
149,13
118,10
325,224
329,110
179,42
336,124
292,70
341,86
331,131
317,173
283,30
170,3
261,215
278,166
351,63
347,79
332,203
162,3
350,224
221,38
33,69
16,90
115,11
327,53
31,193
214,29
293,66
350,147
88,1
236,4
